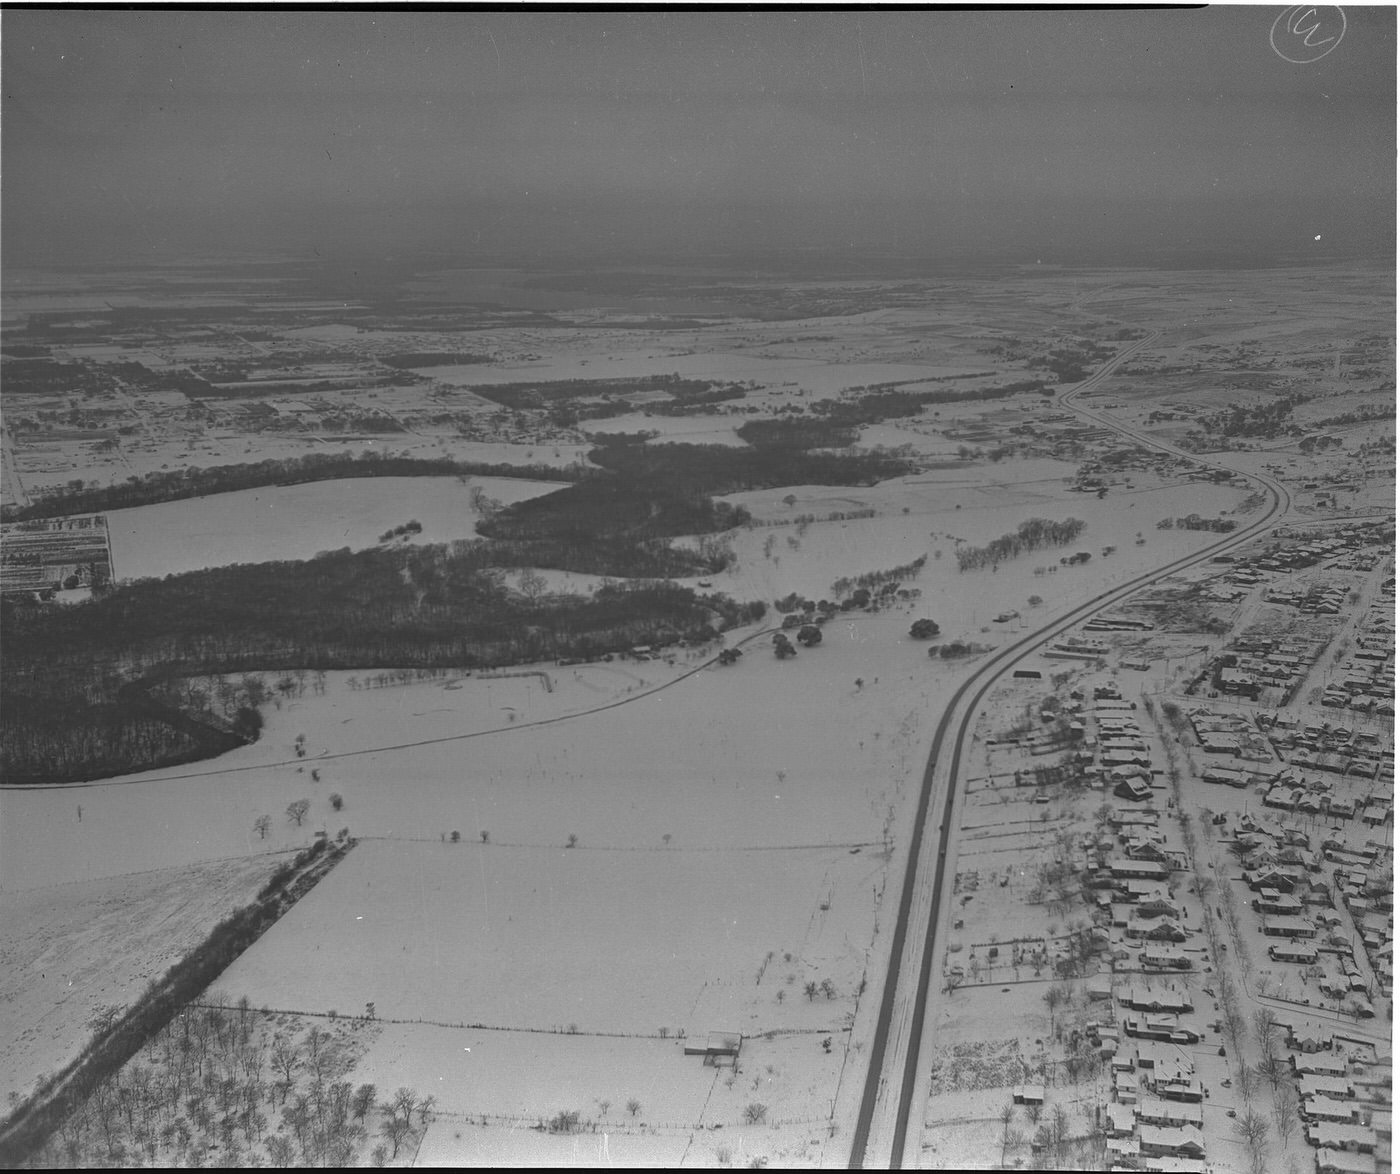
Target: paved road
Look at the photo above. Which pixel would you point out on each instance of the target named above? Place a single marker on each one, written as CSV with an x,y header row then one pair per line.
x,y
894,1082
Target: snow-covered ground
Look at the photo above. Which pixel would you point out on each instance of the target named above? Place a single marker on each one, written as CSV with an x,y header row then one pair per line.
x,y
71,950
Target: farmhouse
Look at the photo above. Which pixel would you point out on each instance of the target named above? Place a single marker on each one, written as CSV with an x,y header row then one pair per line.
x,y
720,1049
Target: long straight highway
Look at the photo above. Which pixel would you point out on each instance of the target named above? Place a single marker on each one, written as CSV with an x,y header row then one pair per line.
x,y
888,1128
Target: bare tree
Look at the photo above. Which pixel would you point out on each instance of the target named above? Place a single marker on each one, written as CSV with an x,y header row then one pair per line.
x,y
286,1059
405,1101
279,1150
1265,1029
426,1105
532,585
297,809
363,1100
754,1112
262,825
394,1129
1254,1131
1059,1129
1272,1070
1286,1110
1008,1114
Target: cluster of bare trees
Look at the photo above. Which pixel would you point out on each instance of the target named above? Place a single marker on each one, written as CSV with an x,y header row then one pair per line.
x,y
1032,534
872,579
1053,1142
225,1086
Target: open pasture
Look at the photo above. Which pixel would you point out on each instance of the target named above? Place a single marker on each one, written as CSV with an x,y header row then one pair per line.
x,y
558,939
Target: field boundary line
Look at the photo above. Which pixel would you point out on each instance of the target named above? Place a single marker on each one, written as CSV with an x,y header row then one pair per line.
x,y
412,1021
847,846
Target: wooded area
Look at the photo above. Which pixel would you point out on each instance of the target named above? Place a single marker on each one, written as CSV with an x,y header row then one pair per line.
x,y
67,675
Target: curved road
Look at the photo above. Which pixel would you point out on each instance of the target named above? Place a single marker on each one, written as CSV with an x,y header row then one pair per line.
x,y
882,1134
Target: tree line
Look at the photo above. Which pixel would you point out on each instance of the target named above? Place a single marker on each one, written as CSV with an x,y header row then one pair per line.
x,y
891,404
664,490
1032,534
72,681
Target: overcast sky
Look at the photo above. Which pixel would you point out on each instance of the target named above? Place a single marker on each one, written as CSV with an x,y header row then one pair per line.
x,y
152,133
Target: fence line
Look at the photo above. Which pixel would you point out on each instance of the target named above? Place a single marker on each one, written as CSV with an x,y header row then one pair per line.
x,y
679,1036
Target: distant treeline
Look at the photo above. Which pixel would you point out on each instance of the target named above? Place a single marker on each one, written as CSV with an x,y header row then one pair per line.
x,y
1031,534
797,431
179,484
71,711
545,393
721,469
892,404
1196,522
599,510
410,359
663,490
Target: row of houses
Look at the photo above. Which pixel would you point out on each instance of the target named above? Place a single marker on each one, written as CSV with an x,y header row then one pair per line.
x,y
1365,681
1276,664
1308,902
1289,550
1228,733
1156,1120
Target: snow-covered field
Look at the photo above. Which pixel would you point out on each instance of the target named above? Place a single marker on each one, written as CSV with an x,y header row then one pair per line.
x,y
71,950
297,521
626,941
